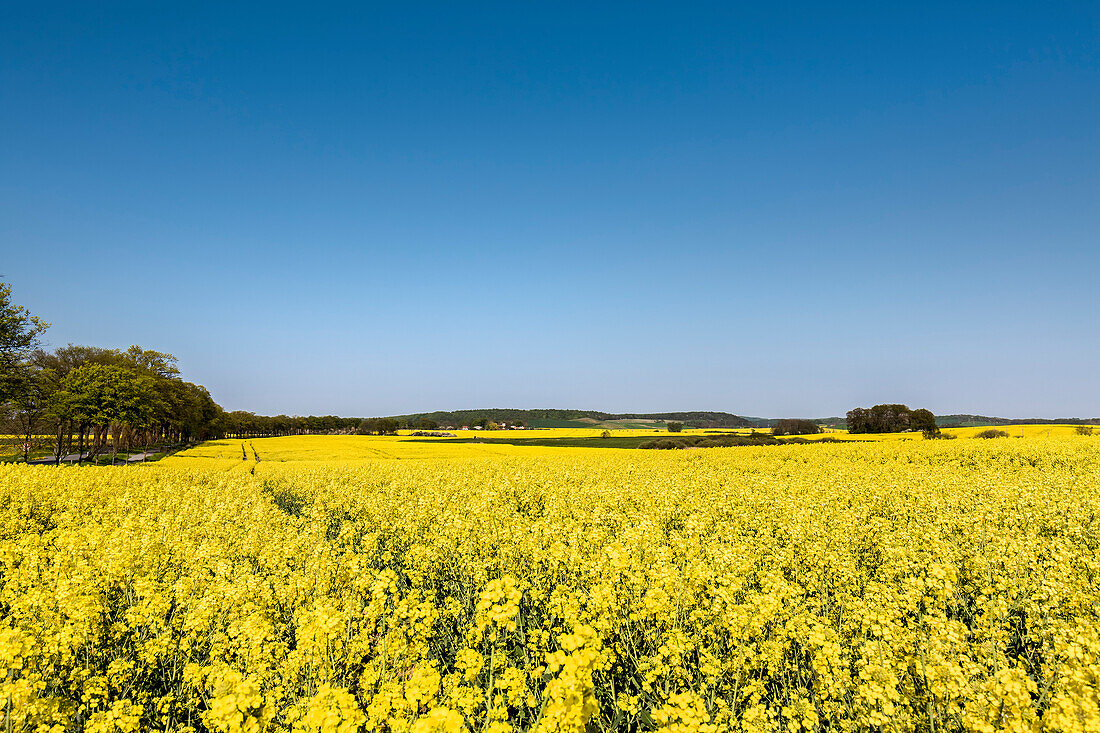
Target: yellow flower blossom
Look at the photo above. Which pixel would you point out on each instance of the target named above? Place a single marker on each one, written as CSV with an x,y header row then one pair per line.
x,y
896,585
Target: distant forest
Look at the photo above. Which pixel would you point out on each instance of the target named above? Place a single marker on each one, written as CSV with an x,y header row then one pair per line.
x,y
950,421
571,418
979,421
699,419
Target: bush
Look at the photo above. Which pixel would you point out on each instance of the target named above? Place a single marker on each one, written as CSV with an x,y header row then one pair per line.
x,y
1084,430
712,441
663,444
992,433
675,427
796,427
605,434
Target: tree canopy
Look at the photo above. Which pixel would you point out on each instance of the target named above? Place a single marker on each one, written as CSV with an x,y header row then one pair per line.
x,y
19,332
788,426
122,398
890,418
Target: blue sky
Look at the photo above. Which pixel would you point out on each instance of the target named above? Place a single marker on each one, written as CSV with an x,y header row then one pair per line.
x,y
771,209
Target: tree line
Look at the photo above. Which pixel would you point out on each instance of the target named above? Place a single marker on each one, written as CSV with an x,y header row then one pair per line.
x,y
568,418
92,399
241,424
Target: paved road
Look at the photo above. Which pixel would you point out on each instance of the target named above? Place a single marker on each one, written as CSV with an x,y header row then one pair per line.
x,y
72,458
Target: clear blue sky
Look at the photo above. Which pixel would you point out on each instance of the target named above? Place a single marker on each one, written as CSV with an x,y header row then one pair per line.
x,y
771,209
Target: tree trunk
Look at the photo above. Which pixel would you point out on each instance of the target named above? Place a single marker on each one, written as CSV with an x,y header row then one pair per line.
x,y
60,442
99,439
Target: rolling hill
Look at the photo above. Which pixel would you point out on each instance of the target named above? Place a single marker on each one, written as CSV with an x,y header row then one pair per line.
x,y
579,418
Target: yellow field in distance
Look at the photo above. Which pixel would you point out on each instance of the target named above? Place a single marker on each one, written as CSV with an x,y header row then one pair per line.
x,y
358,448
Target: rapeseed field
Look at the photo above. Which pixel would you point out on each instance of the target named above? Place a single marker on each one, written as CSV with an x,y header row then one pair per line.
x,y
331,584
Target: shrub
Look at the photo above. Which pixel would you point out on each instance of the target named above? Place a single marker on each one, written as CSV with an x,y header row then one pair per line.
x,y
663,444
605,434
713,441
992,433
1084,430
796,427
675,427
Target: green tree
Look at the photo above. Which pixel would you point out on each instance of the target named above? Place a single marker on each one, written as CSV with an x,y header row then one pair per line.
x,y
674,427
98,396
924,421
378,426
31,404
157,363
891,418
19,332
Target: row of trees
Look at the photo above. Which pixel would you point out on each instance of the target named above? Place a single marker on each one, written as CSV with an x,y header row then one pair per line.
x,y
891,419
240,424
91,399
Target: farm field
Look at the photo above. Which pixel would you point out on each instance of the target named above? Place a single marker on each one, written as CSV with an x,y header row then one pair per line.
x,y
486,443
342,449
552,441
345,448
328,583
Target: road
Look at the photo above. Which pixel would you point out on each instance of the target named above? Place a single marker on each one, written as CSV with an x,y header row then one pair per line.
x,y
73,457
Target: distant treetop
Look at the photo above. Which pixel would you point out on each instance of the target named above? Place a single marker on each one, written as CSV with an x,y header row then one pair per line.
x,y
890,419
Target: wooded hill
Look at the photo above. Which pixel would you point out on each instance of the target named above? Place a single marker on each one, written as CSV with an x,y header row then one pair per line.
x,y
575,418
955,421
981,421
698,419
